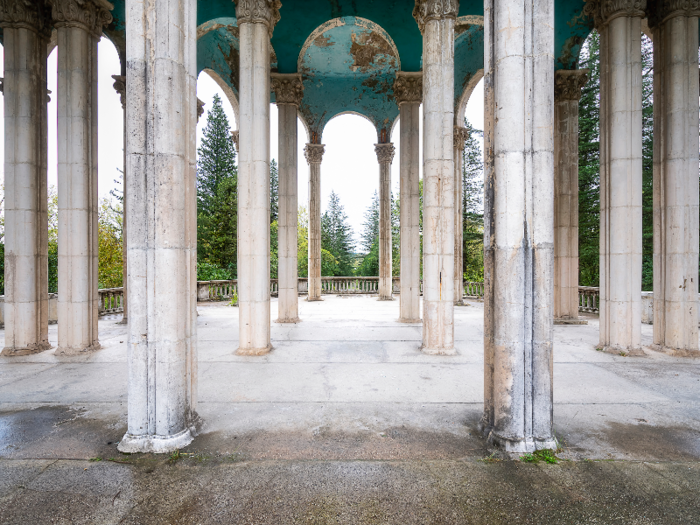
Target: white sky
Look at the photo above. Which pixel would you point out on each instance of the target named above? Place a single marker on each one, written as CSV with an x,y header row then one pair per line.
x,y
349,164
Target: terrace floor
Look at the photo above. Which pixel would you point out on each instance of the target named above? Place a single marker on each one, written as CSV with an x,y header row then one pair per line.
x,y
348,412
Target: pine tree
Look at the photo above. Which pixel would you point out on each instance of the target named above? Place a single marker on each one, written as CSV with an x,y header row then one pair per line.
x,y
274,192
647,163
336,235
472,206
370,232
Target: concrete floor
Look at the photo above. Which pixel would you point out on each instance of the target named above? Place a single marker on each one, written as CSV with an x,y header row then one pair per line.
x,y
345,421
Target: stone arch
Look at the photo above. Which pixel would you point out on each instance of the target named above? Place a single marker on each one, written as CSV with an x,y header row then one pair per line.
x,y
355,113
461,105
228,91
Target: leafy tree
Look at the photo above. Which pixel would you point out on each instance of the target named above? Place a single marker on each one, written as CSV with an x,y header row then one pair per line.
x,y
109,233
647,163
336,236
53,238
274,191
329,264
472,206
370,228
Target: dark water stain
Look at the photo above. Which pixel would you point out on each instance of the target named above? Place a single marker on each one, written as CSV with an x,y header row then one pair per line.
x,y
654,442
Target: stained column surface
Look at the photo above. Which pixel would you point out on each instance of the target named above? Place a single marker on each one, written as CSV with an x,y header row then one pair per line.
x,y
620,179
519,92
120,87
314,155
675,179
438,178
254,188
460,136
26,223
161,123
408,90
567,92
385,154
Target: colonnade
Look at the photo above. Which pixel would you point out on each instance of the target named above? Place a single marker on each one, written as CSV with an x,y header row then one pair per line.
x,y
530,195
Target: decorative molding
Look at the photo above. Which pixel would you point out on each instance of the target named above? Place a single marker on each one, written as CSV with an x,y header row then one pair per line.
x,y
234,138
258,12
385,152
426,10
91,15
568,83
659,11
459,137
408,88
288,88
314,153
120,87
603,11
200,109
34,15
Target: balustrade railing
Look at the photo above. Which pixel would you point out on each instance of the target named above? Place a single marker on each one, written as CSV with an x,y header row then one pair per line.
x,y
588,299
111,300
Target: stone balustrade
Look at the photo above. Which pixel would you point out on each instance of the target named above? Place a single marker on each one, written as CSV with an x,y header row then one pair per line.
x,y
588,299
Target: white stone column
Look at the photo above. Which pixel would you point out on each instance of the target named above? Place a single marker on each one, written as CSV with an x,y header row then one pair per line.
x,y
79,27
256,20
519,224
26,32
460,136
567,93
408,90
675,30
120,87
288,91
385,155
314,156
436,20
160,148
619,25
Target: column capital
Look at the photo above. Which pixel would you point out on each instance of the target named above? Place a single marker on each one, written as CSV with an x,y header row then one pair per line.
x,y
288,88
234,138
200,109
568,83
314,153
258,12
426,10
408,88
91,15
120,87
459,137
658,11
385,152
34,15
603,11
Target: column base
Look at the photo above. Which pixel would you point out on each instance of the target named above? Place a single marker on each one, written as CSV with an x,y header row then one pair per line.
x,y
8,351
313,299
156,444
570,320
293,320
410,321
254,351
72,351
676,352
623,351
389,298
461,303
438,351
520,446
125,320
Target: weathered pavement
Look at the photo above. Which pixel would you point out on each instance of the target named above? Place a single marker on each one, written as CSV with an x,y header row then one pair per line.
x,y
347,422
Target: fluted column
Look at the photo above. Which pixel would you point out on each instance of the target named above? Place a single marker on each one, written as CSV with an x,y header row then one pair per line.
x,y
288,91
385,155
79,26
519,225
120,87
26,32
460,136
314,156
408,91
619,25
436,20
675,29
567,93
256,20
160,188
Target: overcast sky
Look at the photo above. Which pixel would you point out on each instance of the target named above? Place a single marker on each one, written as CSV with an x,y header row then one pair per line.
x,y
349,165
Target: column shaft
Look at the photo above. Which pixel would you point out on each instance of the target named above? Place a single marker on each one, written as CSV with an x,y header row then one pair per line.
x,y
254,189
385,154
519,84
120,87
26,223
161,271
314,154
676,183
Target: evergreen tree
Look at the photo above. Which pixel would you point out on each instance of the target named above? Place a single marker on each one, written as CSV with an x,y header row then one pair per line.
x,y
395,236
336,235
274,192
647,163
370,231
472,206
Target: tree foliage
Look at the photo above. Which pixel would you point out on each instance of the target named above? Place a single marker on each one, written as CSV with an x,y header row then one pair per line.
x,y
337,236
472,206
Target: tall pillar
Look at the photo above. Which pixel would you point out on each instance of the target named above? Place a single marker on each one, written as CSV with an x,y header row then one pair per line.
x,y
314,156
519,225
436,20
675,30
385,154
460,137
289,92
79,27
408,91
567,93
162,215
26,32
256,20
120,87
619,25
